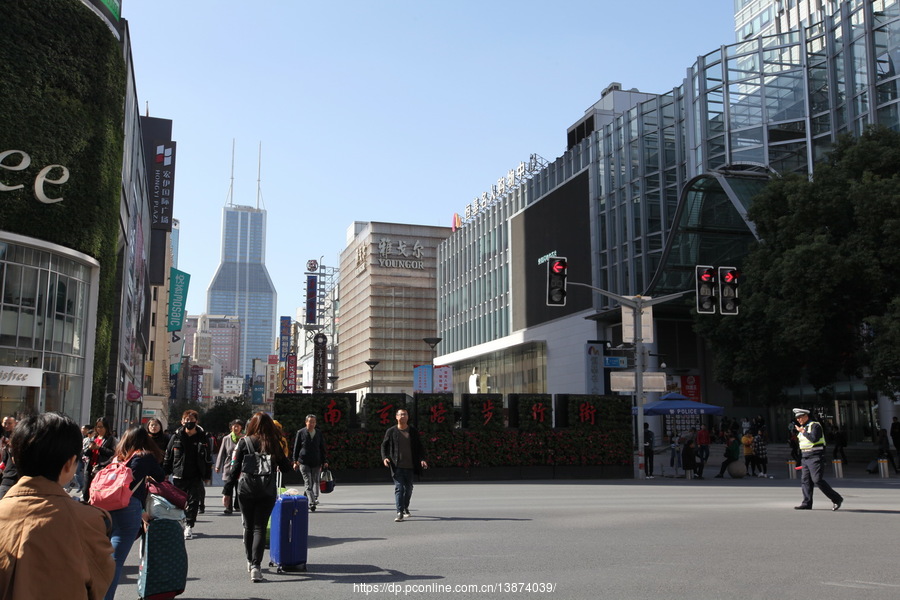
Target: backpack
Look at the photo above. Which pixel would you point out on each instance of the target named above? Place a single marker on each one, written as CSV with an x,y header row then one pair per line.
x,y
111,487
257,478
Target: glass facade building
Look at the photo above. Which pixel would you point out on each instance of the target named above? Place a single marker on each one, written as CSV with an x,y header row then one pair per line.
x,y
671,176
242,286
47,327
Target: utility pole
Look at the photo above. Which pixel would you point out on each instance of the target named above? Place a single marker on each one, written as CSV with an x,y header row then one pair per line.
x,y
637,304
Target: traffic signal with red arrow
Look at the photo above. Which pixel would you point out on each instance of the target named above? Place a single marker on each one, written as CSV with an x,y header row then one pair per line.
x,y
557,271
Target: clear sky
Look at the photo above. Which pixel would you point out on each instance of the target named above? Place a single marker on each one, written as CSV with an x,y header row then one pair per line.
x,y
394,111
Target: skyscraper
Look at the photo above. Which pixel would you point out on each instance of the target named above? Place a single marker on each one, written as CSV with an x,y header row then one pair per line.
x,y
242,286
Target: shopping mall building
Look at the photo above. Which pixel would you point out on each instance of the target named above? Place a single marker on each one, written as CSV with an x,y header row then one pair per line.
x,y
650,186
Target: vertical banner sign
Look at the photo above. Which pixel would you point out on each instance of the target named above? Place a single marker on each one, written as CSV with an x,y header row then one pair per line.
x,y
284,338
312,296
320,358
291,373
690,387
161,182
593,359
443,380
271,377
178,290
422,379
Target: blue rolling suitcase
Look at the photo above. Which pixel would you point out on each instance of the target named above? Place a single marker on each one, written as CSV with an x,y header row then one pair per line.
x,y
164,561
290,533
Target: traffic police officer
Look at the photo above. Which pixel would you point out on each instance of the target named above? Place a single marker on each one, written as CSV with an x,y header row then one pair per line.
x,y
812,449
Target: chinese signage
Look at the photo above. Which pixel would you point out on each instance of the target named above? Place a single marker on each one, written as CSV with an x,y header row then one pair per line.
x,y
443,380
422,382
284,339
594,363
291,373
320,361
400,254
509,182
161,184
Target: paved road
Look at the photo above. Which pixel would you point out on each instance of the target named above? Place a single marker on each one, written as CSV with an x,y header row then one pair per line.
x,y
664,539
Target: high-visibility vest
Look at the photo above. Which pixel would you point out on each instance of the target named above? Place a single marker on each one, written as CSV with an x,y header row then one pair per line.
x,y
805,444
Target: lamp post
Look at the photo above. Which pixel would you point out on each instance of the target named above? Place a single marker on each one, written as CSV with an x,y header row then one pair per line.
x,y
372,364
432,341
332,379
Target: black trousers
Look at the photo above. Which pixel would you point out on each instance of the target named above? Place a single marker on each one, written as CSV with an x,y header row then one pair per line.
x,y
195,492
813,475
255,513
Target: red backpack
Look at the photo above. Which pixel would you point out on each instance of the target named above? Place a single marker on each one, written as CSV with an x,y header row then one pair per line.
x,y
111,486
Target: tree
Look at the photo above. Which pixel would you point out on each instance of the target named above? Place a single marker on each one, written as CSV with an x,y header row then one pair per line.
x,y
820,298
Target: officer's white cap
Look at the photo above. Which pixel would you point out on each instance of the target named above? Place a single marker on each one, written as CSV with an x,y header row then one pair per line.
x,y
800,411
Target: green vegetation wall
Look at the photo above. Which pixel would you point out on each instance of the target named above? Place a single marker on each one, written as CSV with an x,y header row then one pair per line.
x,y
62,97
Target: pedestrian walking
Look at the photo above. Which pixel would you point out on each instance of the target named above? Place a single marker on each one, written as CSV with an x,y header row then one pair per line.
x,y
98,454
309,458
648,451
402,452
50,545
253,476
761,452
703,442
223,462
811,440
141,455
189,463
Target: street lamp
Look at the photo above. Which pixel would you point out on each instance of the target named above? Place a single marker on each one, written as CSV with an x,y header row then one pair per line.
x,y
332,379
372,364
432,341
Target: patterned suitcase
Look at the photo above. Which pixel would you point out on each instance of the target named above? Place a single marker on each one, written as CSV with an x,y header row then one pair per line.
x,y
164,561
290,532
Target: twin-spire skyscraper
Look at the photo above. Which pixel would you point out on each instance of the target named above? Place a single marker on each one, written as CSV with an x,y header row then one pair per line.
x,y
241,286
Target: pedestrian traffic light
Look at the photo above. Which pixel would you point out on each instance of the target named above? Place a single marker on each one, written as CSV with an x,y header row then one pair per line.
x,y
705,276
557,268
729,303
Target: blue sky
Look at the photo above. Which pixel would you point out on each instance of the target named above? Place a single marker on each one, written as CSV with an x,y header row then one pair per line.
x,y
394,111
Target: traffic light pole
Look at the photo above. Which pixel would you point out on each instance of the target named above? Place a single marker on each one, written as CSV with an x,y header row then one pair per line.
x,y
637,304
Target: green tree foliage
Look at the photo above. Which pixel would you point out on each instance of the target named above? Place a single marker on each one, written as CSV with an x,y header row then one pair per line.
x,y
820,296
223,412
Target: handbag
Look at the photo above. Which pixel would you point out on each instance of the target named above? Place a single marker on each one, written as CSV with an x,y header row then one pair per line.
x,y
168,491
160,508
111,487
326,482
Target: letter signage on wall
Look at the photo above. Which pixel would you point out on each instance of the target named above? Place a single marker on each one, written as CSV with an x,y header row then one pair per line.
x,y
15,376
161,184
178,290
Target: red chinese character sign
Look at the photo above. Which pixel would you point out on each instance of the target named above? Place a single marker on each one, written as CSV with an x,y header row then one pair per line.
x,y
380,410
435,412
335,412
531,412
582,411
483,412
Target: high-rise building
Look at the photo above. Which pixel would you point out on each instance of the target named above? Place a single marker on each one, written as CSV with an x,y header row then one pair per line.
x,y
753,18
242,286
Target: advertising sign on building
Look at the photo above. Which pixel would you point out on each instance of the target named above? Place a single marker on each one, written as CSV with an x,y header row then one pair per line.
x,y
271,378
320,362
312,297
291,373
15,376
284,339
161,184
178,290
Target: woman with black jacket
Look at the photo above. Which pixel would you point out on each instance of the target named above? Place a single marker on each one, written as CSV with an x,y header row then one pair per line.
x,y
98,454
257,494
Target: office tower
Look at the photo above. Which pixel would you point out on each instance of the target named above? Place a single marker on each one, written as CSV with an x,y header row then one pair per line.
x,y
241,286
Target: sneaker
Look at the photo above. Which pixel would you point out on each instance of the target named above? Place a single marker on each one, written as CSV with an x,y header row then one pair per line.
x,y
312,507
399,517
256,575
228,511
188,532
649,477
837,504
719,477
249,566
405,512
201,510
763,475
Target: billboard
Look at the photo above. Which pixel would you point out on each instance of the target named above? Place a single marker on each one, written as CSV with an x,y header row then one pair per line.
x,y
558,224
284,339
312,296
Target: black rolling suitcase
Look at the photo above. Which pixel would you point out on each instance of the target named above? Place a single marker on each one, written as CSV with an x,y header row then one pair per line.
x,y
164,561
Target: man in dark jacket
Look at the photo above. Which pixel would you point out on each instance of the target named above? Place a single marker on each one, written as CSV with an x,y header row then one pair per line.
x,y
402,451
309,458
189,461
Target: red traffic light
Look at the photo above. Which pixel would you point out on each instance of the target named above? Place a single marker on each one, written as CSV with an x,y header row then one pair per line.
x,y
708,275
731,276
558,266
